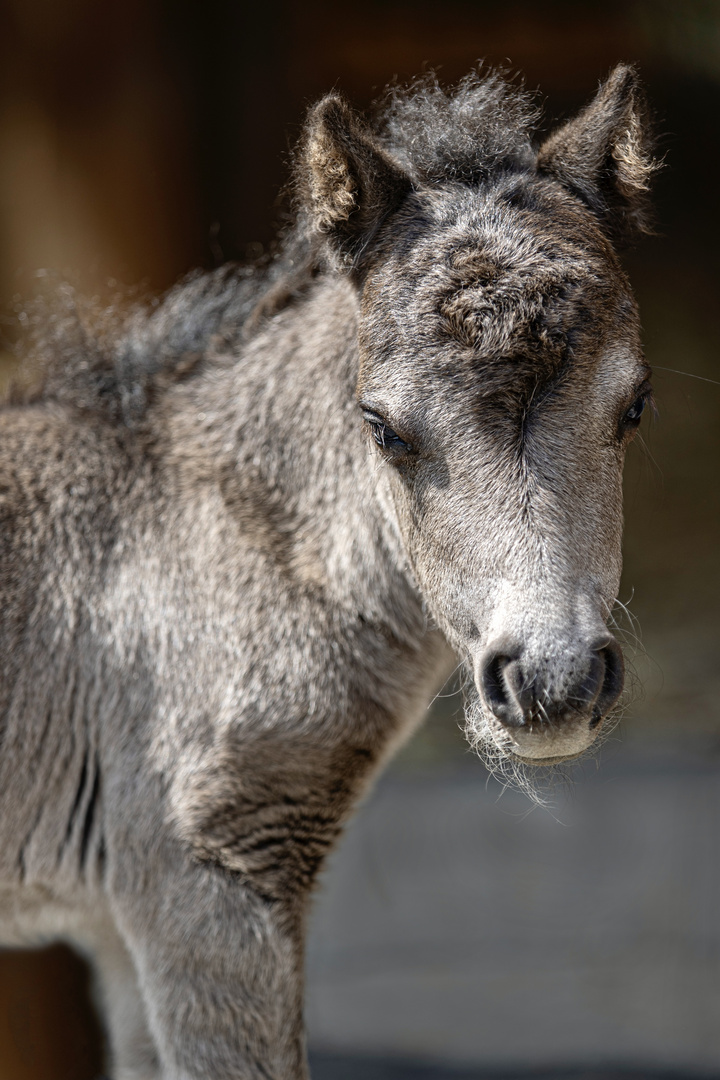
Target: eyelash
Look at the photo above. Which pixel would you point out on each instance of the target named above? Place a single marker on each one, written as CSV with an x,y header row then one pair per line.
x,y
385,437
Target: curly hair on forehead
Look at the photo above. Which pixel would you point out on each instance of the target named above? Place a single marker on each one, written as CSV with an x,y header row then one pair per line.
x,y
462,133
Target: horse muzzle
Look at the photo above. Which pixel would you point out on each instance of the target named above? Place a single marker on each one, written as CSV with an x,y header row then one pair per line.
x,y
547,708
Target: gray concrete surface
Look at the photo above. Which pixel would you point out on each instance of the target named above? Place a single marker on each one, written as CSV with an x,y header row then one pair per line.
x,y
456,930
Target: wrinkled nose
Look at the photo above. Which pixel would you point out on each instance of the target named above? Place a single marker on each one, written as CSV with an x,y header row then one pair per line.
x,y
520,692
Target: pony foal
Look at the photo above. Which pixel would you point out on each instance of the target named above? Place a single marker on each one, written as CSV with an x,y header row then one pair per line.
x,y
243,532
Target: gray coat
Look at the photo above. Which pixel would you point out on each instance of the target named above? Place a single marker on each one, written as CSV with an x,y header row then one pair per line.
x,y
245,532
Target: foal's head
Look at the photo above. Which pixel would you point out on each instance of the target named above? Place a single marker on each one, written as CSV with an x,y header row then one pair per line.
x,y
501,376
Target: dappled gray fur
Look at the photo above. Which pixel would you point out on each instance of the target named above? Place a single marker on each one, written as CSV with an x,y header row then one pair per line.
x,y
246,531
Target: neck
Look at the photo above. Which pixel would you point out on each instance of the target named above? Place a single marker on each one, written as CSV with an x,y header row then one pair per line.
x,y
278,429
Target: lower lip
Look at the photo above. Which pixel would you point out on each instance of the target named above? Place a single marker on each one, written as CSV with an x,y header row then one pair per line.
x,y
546,761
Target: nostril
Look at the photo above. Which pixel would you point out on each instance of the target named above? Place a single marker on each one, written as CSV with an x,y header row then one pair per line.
x,y
494,683
613,680
589,689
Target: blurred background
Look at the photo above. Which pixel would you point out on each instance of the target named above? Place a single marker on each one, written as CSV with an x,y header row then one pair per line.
x,y
457,933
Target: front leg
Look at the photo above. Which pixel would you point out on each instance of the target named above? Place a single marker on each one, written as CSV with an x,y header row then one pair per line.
x,y
133,1055
209,892
221,972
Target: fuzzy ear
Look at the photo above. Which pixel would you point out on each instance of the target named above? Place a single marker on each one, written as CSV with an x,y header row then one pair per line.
x,y
604,155
350,184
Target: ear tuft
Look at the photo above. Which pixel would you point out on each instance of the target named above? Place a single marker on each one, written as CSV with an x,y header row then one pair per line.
x,y
604,155
348,182
332,188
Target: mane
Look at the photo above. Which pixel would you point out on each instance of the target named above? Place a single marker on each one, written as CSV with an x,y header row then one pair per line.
x,y
114,359
462,133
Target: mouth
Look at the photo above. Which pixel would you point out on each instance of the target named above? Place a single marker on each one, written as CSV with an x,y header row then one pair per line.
x,y
546,748
537,745
548,761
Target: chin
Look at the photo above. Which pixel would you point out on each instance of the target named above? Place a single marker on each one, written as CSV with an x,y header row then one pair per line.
x,y
533,745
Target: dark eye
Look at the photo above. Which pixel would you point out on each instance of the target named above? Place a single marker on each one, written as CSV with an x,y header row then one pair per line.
x,y
384,436
632,416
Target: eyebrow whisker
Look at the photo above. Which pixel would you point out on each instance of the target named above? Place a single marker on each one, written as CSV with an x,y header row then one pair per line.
x,y
689,374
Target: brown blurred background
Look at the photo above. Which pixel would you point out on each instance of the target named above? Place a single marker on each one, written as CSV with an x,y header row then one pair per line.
x,y
140,138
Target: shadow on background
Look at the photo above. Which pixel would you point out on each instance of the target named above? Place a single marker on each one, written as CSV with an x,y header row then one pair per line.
x,y
339,1067
47,1026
